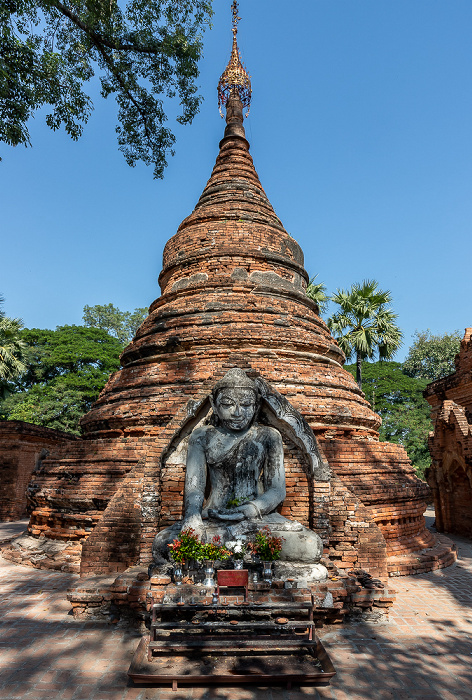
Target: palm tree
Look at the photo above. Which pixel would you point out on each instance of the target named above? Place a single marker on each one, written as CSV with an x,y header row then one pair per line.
x,y
364,325
12,350
317,292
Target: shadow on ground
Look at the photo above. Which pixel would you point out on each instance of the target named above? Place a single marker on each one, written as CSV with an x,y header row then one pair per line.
x,y
45,653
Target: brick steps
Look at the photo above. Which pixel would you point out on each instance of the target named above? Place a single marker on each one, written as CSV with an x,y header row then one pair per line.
x,y
443,554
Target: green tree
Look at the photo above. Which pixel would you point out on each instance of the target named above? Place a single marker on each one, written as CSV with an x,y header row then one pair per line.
x,y
143,50
398,399
12,350
66,370
68,350
364,326
53,406
432,356
120,324
317,292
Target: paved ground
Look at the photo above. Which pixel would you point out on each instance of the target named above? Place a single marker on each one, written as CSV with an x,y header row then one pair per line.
x,y
10,530
424,652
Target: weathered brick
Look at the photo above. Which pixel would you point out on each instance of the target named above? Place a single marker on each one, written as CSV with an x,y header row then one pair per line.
x,y
450,475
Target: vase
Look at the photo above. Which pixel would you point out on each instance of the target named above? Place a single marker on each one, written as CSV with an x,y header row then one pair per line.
x,y
191,570
209,576
238,563
178,573
267,572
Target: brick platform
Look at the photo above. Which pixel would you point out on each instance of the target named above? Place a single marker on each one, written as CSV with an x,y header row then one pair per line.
x,y
424,653
131,594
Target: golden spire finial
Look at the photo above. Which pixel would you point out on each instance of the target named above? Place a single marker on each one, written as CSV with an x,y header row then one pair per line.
x,y
236,19
235,76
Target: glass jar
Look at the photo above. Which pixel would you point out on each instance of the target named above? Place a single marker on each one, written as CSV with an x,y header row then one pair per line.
x,y
267,572
178,573
209,579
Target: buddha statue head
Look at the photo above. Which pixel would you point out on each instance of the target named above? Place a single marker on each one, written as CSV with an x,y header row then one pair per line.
x,y
235,401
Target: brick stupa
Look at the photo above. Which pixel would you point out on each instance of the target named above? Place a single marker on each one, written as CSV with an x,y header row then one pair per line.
x,y
233,295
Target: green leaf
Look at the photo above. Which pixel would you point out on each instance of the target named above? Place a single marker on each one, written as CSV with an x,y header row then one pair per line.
x,y
363,326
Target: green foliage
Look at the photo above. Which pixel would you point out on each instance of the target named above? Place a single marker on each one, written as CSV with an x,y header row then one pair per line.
x,y
143,50
432,356
65,371
67,351
12,350
317,292
186,546
234,502
405,414
214,550
364,326
55,406
119,324
266,545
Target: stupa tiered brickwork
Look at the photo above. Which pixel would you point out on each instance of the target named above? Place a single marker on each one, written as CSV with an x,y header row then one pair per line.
x,y
233,295
450,475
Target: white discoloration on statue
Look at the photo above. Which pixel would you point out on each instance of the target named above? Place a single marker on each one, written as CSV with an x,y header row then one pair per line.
x,y
244,462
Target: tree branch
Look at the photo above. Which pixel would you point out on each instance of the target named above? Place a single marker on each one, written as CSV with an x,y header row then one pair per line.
x,y
98,38
109,62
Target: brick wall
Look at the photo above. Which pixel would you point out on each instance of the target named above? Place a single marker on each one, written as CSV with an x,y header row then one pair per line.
x,y
381,476
450,445
23,448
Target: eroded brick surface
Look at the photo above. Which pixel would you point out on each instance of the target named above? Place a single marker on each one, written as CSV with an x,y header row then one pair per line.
x,y
450,475
22,448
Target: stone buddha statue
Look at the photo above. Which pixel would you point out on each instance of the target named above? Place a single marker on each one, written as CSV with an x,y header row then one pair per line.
x,y
244,463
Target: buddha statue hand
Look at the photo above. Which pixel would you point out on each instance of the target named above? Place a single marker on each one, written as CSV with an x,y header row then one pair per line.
x,y
225,515
243,512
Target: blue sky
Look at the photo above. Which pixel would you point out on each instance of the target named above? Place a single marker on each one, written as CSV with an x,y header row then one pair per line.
x,y
360,129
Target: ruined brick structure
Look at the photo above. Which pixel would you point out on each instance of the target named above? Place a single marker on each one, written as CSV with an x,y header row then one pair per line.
x,y
22,448
450,445
233,295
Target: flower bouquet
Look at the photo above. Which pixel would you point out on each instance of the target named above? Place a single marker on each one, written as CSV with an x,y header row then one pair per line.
x,y
186,546
238,548
211,552
214,550
265,545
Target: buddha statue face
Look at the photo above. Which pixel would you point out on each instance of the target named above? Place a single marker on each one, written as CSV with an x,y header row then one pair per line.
x,y
235,407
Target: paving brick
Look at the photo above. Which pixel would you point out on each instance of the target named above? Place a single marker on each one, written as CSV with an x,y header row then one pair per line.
x,y
70,660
